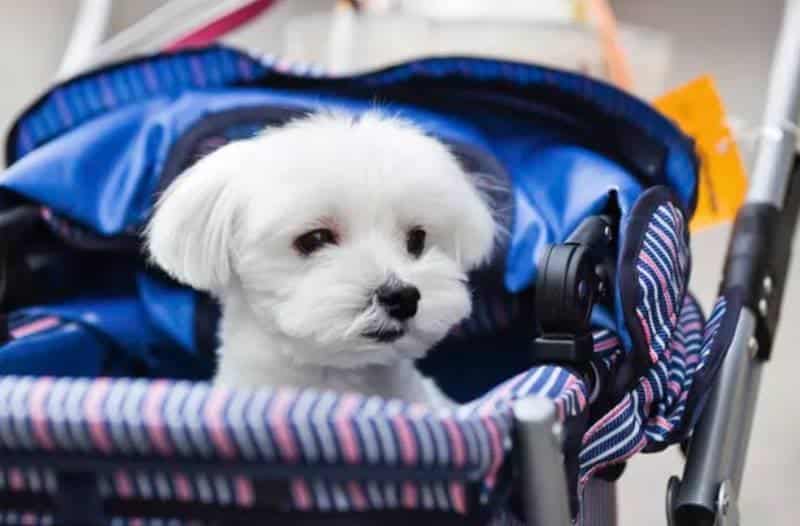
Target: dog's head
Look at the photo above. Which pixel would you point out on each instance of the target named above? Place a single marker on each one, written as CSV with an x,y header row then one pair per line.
x,y
350,236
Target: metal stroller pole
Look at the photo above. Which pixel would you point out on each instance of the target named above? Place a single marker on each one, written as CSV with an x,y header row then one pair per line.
x,y
778,139
542,464
754,277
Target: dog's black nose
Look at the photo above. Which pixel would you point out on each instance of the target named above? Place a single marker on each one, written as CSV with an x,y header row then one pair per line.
x,y
399,302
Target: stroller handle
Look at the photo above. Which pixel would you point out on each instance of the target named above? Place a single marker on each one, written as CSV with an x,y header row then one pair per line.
x,y
753,283
778,135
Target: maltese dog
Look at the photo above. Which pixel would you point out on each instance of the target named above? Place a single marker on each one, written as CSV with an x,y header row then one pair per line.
x,y
338,247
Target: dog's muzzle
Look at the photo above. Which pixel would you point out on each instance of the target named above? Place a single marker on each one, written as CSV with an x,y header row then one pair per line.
x,y
399,301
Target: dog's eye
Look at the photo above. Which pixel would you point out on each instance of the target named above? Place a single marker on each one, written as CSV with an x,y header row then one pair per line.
x,y
314,240
415,242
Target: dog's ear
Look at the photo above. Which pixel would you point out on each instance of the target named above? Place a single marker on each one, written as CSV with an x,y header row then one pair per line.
x,y
191,233
478,230
490,235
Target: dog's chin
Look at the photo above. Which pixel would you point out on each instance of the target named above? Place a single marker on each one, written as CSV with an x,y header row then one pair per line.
x,y
376,347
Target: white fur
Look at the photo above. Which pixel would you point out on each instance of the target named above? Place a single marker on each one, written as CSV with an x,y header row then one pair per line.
x,y
228,225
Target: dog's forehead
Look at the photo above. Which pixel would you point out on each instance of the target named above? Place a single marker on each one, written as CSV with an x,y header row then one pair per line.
x,y
350,189
356,203
361,176
309,161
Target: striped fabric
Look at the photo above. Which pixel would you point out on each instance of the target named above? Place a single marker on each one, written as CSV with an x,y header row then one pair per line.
x,y
31,480
28,480
662,270
14,518
306,430
325,496
167,486
650,417
713,325
139,484
140,521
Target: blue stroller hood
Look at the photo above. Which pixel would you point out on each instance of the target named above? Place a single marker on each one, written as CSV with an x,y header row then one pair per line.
x,y
87,160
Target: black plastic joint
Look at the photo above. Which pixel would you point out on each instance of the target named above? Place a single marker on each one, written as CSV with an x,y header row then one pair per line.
x,y
758,259
570,349
750,268
572,278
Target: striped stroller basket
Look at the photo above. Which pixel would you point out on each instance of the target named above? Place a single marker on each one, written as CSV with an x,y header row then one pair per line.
x,y
106,415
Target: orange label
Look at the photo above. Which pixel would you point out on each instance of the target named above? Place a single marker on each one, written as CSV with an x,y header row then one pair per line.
x,y
697,108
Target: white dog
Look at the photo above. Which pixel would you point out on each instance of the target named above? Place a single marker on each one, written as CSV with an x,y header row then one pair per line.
x,y
338,247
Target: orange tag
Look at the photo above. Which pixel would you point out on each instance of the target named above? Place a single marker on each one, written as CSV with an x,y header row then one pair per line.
x,y
697,109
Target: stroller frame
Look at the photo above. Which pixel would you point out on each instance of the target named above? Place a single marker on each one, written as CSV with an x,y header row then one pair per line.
x,y
757,263
756,266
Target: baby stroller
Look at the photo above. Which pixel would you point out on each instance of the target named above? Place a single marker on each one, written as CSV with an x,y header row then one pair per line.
x,y
584,347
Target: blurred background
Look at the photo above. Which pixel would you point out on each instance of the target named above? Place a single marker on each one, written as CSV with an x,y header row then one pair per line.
x,y
666,44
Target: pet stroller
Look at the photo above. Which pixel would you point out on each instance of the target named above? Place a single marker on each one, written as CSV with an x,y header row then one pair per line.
x,y
583,349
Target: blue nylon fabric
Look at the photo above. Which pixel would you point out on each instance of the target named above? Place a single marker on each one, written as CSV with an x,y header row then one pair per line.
x,y
43,354
99,174
121,319
578,183
170,309
150,327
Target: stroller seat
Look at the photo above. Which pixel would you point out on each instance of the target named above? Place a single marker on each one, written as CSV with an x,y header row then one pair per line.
x,y
105,412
